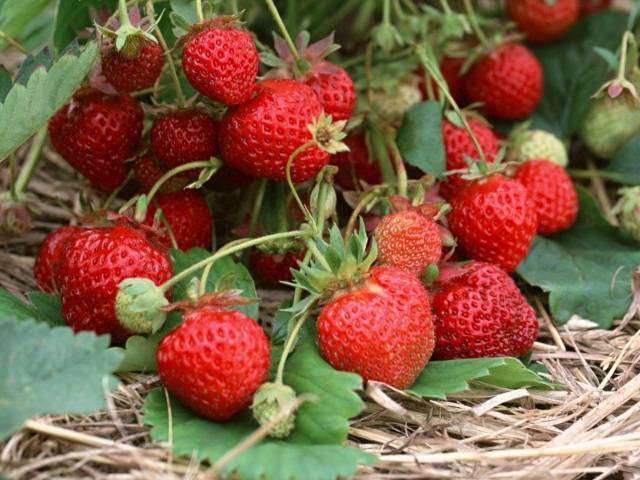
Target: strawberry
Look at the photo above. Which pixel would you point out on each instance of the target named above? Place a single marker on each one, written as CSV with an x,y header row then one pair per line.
x,y
458,145
409,240
183,136
481,313
221,61
494,220
591,6
355,165
507,81
628,208
552,192
451,69
274,267
214,361
532,144
187,215
136,67
93,264
96,133
258,137
541,20
392,105
148,170
49,256
334,88
379,328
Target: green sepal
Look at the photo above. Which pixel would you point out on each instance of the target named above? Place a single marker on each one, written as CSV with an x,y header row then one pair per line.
x,y
139,305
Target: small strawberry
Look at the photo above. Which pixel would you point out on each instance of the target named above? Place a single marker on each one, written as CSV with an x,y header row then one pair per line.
x,y
591,6
409,240
148,170
494,220
458,145
49,256
532,144
274,267
136,67
507,81
392,105
188,216
355,165
93,264
552,192
220,61
258,136
214,361
628,208
451,69
183,136
541,20
481,313
96,133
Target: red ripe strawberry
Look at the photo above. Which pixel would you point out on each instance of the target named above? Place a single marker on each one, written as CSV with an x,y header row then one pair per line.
x,y
541,20
96,133
274,267
507,81
481,313
49,256
458,145
408,240
214,361
183,136
257,137
355,164
148,170
188,216
494,220
590,6
221,62
136,67
334,88
94,263
380,329
450,67
552,192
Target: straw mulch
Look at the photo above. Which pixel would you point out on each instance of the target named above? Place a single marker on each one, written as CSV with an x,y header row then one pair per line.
x,y
591,429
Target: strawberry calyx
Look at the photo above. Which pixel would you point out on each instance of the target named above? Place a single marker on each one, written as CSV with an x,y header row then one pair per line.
x,y
219,22
286,65
129,33
223,299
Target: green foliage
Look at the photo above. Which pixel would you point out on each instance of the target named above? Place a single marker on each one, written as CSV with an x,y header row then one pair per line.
x,y
27,108
51,370
573,71
139,353
586,270
420,138
73,17
624,166
313,451
5,83
21,19
44,307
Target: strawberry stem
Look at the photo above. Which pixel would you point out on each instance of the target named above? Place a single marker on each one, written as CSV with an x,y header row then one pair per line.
x,y
199,11
475,25
179,169
33,157
398,164
283,29
292,187
291,338
364,201
124,14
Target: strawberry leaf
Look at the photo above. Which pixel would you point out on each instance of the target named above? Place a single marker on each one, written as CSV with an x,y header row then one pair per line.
x,y
624,166
5,83
27,108
51,370
312,452
71,18
48,307
21,20
44,307
139,353
420,138
586,270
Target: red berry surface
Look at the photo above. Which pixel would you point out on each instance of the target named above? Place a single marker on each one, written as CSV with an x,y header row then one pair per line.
x,y
49,256
135,67
96,133
275,267
148,170
355,165
214,361
591,6
482,313
541,20
450,67
334,88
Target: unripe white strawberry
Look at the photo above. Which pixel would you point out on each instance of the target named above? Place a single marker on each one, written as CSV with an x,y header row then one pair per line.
x,y
393,105
538,144
629,208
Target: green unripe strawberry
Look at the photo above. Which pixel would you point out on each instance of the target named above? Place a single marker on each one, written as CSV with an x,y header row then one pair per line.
x,y
629,208
269,401
609,124
538,144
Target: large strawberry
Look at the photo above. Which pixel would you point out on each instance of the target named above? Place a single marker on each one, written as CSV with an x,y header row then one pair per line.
x,y
183,136
355,165
148,170
135,67
96,133
409,240
220,61
459,148
494,220
93,264
49,256
258,136
552,192
481,313
188,217
507,81
541,20
214,361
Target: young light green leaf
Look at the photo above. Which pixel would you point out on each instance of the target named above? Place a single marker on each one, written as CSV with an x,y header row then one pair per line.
x,y
420,138
50,370
27,108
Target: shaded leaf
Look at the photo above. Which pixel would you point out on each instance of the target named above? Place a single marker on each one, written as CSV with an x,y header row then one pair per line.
x,y
72,18
139,353
5,83
420,138
624,166
48,307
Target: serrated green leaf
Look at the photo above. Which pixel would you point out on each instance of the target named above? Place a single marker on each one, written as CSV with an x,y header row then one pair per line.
x,y
224,267
624,166
44,58
26,109
420,138
514,374
11,306
50,370
5,83
312,452
139,353
586,270
48,307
